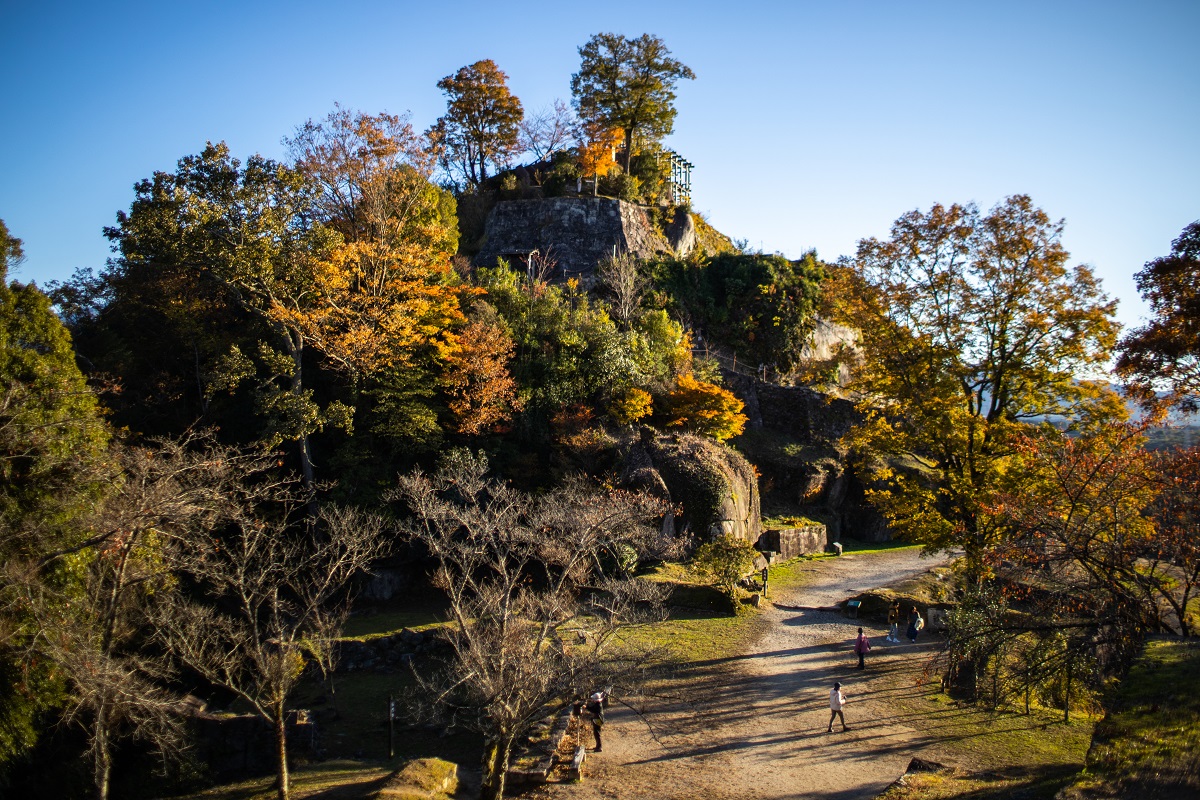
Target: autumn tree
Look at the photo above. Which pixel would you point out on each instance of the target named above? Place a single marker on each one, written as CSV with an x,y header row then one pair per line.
x,y
482,392
533,608
481,124
705,408
971,324
628,84
1165,352
388,307
1091,560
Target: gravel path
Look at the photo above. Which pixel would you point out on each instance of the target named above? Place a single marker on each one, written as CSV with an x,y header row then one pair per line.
x,y
753,726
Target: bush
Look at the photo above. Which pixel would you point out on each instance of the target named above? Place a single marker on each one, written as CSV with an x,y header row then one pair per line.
x,y
622,187
724,561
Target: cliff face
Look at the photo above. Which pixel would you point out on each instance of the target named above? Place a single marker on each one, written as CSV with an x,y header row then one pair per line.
x,y
578,233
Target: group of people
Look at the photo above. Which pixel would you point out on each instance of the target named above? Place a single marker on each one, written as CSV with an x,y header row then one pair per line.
x,y
595,703
862,646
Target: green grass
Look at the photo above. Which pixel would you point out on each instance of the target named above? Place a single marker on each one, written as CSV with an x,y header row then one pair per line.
x,y
417,615
1149,744
990,754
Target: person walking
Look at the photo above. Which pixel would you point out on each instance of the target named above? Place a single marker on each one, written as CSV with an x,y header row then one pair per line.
x,y
836,701
862,647
915,624
894,622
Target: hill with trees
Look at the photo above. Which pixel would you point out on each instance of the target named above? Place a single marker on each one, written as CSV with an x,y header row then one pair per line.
x,y
294,373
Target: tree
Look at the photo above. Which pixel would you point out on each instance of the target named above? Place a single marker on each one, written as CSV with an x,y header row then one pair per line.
x,y
725,560
1166,351
481,124
763,307
53,444
11,251
548,131
537,589
623,278
971,324
250,231
259,591
91,597
628,84
482,391
705,408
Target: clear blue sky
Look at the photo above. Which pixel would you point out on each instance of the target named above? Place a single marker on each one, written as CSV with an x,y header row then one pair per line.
x,y
811,124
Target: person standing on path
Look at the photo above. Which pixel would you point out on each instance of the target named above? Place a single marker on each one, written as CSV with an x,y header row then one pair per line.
x,y
595,708
894,622
915,623
836,701
862,647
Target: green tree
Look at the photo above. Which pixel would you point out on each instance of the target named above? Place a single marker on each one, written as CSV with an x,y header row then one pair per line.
x,y
250,231
762,307
481,124
53,444
971,324
1165,352
628,84
725,560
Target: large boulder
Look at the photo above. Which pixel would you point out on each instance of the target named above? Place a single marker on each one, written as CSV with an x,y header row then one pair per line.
x,y
714,488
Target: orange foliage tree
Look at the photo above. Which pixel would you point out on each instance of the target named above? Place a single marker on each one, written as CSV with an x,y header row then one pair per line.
x,y
482,392
705,408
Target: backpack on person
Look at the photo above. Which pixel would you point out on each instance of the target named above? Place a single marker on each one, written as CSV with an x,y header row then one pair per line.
x,y
920,623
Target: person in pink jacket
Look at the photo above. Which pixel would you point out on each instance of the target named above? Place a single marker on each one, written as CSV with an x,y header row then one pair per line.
x,y
836,701
862,647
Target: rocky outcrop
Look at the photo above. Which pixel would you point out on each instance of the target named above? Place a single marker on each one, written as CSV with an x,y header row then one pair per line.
x,y
579,232
713,486
803,465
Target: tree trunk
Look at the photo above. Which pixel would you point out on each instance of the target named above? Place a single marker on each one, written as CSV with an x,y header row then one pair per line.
x,y
495,769
102,768
1067,693
281,751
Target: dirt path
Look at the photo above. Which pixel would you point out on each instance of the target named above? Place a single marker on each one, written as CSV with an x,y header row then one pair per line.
x,y
754,726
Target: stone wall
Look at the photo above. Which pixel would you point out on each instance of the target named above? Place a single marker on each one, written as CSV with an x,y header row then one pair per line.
x,y
579,233
793,542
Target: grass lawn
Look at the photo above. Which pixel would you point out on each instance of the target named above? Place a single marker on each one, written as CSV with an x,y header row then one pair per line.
x,y
1149,744
991,754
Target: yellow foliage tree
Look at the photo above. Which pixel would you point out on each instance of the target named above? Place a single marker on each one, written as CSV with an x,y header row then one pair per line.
x,y
631,406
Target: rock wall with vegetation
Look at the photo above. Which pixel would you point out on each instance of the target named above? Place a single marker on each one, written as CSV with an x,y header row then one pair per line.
x,y
793,439
580,232
714,488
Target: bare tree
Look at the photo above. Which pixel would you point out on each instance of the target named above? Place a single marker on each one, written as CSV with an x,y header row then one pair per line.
x,y
625,281
537,587
271,581
548,131
86,601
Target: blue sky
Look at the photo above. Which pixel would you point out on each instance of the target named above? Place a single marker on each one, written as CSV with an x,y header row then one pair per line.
x,y
811,124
